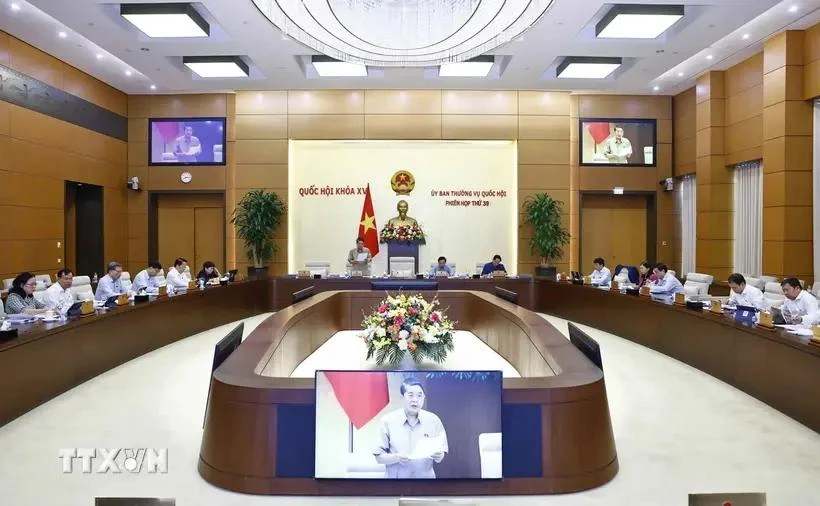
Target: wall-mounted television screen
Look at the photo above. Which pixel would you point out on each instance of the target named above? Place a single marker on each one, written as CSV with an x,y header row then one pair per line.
x,y
186,141
408,425
625,142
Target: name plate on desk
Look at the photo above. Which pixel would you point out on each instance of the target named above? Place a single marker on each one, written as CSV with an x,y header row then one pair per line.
x,y
765,320
716,307
303,274
87,308
644,291
499,274
191,284
122,300
615,286
163,291
680,299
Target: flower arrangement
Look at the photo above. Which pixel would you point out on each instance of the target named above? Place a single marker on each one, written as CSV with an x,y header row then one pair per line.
x,y
404,233
405,324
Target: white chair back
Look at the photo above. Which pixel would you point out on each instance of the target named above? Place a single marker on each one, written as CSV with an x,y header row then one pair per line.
x,y
403,267
125,280
81,288
755,282
697,284
45,278
622,276
40,296
489,451
7,283
769,279
320,268
363,465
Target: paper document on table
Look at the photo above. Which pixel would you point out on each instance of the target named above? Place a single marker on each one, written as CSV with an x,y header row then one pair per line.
x,y
426,447
362,257
802,331
790,327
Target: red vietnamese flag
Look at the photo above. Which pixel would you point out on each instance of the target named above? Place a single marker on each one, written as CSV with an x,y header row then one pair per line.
x,y
367,225
598,131
362,395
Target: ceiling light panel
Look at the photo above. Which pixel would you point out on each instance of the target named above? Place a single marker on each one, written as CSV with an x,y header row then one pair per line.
x,y
166,20
329,67
216,66
587,68
633,21
477,67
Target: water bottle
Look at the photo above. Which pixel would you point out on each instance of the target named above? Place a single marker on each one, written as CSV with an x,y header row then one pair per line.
x,y
94,279
201,283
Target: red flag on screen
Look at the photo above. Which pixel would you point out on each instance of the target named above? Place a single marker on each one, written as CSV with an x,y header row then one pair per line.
x,y
362,395
598,131
367,225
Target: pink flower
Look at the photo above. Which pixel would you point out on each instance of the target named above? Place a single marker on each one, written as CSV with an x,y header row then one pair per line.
x,y
398,321
435,317
383,308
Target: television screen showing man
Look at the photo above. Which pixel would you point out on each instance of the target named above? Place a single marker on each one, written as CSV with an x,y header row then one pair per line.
x,y
408,425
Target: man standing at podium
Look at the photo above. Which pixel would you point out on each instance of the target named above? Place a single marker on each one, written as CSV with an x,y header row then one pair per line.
x,y
359,258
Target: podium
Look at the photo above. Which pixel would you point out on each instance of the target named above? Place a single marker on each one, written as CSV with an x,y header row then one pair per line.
x,y
403,249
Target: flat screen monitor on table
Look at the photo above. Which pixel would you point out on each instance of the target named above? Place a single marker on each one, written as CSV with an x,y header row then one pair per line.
x,y
624,142
363,430
186,141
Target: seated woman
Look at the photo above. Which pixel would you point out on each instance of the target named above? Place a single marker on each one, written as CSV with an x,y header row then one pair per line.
x,y
20,299
493,266
647,274
208,272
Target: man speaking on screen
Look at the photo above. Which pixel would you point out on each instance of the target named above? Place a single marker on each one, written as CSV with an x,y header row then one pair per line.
x,y
187,146
411,439
618,148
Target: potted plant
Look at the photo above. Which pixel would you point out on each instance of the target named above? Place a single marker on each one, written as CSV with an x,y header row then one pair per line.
x,y
549,236
256,217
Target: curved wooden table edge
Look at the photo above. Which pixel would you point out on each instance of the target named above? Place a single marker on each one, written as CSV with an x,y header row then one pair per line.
x,y
578,447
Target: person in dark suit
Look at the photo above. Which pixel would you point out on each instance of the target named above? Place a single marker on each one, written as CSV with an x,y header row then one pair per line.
x,y
493,266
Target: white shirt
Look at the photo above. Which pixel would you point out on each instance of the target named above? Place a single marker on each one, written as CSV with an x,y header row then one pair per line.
x,y
176,279
602,277
804,305
618,151
751,296
58,298
143,280
669,285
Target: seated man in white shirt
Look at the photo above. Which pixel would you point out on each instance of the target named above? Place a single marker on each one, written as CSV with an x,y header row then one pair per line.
x,y
667,283
800,306
601,275
58,296
745,295
176,277
146,279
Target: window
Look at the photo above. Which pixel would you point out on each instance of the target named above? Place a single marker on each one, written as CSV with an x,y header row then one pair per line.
x,y
687,208
748,219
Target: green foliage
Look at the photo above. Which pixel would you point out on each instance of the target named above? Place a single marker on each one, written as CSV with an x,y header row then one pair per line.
x,y
549,236
256,217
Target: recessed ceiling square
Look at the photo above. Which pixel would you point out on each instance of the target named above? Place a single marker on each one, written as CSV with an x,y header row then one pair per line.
x,y
166,19
476,67
582,67
636,21
216,66
330,67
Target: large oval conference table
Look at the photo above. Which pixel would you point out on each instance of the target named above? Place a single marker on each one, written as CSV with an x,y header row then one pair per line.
x,y
253,399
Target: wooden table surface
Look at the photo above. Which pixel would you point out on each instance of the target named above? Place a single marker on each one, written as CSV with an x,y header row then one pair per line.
x,y
776,367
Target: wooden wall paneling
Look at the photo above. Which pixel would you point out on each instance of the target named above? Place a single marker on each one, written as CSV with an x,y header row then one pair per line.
x,y
402,102
261,126
544,127
203,178
543,103
261,151
325,102
479,102
261,102
403,126
326,126
480,127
